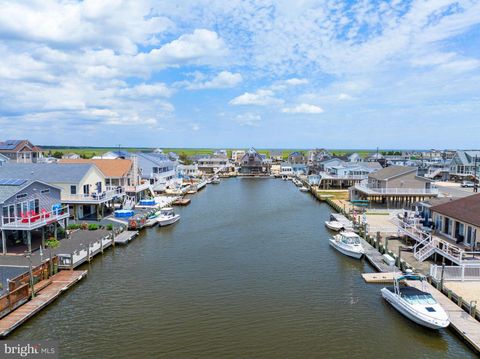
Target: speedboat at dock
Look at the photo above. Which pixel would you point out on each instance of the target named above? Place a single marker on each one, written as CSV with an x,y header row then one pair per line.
x,y
334,225
348,243
167,216
416,304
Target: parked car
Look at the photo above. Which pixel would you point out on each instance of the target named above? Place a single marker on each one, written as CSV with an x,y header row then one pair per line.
x,y
468,184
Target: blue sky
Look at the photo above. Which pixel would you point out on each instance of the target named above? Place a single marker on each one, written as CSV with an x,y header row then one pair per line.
x,y
291,74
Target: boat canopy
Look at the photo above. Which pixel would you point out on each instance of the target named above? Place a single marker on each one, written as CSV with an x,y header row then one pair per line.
x,y
410,277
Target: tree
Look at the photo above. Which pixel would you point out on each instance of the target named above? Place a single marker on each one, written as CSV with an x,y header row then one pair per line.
x,y
57,154
184,158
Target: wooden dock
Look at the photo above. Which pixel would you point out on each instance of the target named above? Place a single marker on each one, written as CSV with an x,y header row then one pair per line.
x,y
58,283
463,323
383,277
375,258
182,202
125,237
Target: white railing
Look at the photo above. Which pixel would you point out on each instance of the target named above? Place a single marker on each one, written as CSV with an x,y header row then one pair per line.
x,y
456,273
138,188
35,220
95,197
406,191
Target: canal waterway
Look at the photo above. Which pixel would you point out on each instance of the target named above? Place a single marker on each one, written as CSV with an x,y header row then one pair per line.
x,y
247,272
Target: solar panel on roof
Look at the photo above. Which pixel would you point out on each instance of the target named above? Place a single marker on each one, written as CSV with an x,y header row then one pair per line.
x,y
12,182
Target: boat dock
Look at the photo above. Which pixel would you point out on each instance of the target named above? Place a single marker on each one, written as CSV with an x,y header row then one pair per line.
x,y
125,237
56,285
382,277
182,202
375,257
463,323
347,224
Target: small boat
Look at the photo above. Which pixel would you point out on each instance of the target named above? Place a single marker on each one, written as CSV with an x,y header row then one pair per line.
x,y
334,225
348,243
152,219
167,216
303,189
416,304
215,180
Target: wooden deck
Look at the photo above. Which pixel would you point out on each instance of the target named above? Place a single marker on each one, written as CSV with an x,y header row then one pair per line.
x,y
182,202
125,237
384,277
466,326
59,283
375,257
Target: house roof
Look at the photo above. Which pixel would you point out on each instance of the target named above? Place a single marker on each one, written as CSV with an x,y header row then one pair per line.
x,y
111,168
16,145
391,172
466,209
46,172
467,157
7,191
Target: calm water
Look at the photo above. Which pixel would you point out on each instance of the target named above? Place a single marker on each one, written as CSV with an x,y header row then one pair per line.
x,y
247,272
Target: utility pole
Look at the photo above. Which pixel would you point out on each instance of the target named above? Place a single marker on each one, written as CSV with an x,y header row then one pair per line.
x,y
475,183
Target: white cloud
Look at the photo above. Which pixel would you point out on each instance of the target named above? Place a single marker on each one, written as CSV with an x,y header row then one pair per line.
x,y
344,97
200,44
224,79
146,90
303,108
248,119
259,98
295,82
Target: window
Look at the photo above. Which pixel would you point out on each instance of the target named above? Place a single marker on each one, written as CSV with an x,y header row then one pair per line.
x,y
43,191
73,189
86,189
22,195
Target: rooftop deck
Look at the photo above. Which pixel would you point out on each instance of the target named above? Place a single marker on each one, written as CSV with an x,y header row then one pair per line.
x,y
369,190
94,198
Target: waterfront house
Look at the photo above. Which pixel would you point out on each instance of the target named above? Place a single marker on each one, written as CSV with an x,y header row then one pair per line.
x,y
297,158
20,151
29,209
354,157
71,156
394,186
212,164
276,155
83,186
252,163
464,164
157,169
292,169
117,172
237,155
3,160
187,171
119,154
459,220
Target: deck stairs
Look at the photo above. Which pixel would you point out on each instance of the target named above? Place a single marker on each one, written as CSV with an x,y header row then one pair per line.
x,y
424,249
129,202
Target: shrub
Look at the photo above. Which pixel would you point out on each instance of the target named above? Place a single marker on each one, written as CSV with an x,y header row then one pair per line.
x,y
73,226
109,227
92,227
84,226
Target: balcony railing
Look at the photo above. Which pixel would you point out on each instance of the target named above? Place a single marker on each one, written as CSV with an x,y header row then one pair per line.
x,y
109,194
401,191
137,188
32,221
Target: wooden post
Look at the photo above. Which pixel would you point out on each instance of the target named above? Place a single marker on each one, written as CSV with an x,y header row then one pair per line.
x,y
43,237
88,252
4,242
71,261
29,241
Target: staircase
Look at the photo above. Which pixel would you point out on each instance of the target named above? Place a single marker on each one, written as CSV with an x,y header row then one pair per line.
x,y
128,202
426,251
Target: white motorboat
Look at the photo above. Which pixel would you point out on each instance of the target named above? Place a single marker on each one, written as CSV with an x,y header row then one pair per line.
x,y
416,304
152,219
348,243
297,182
303,189
167,216
334,225
215,180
